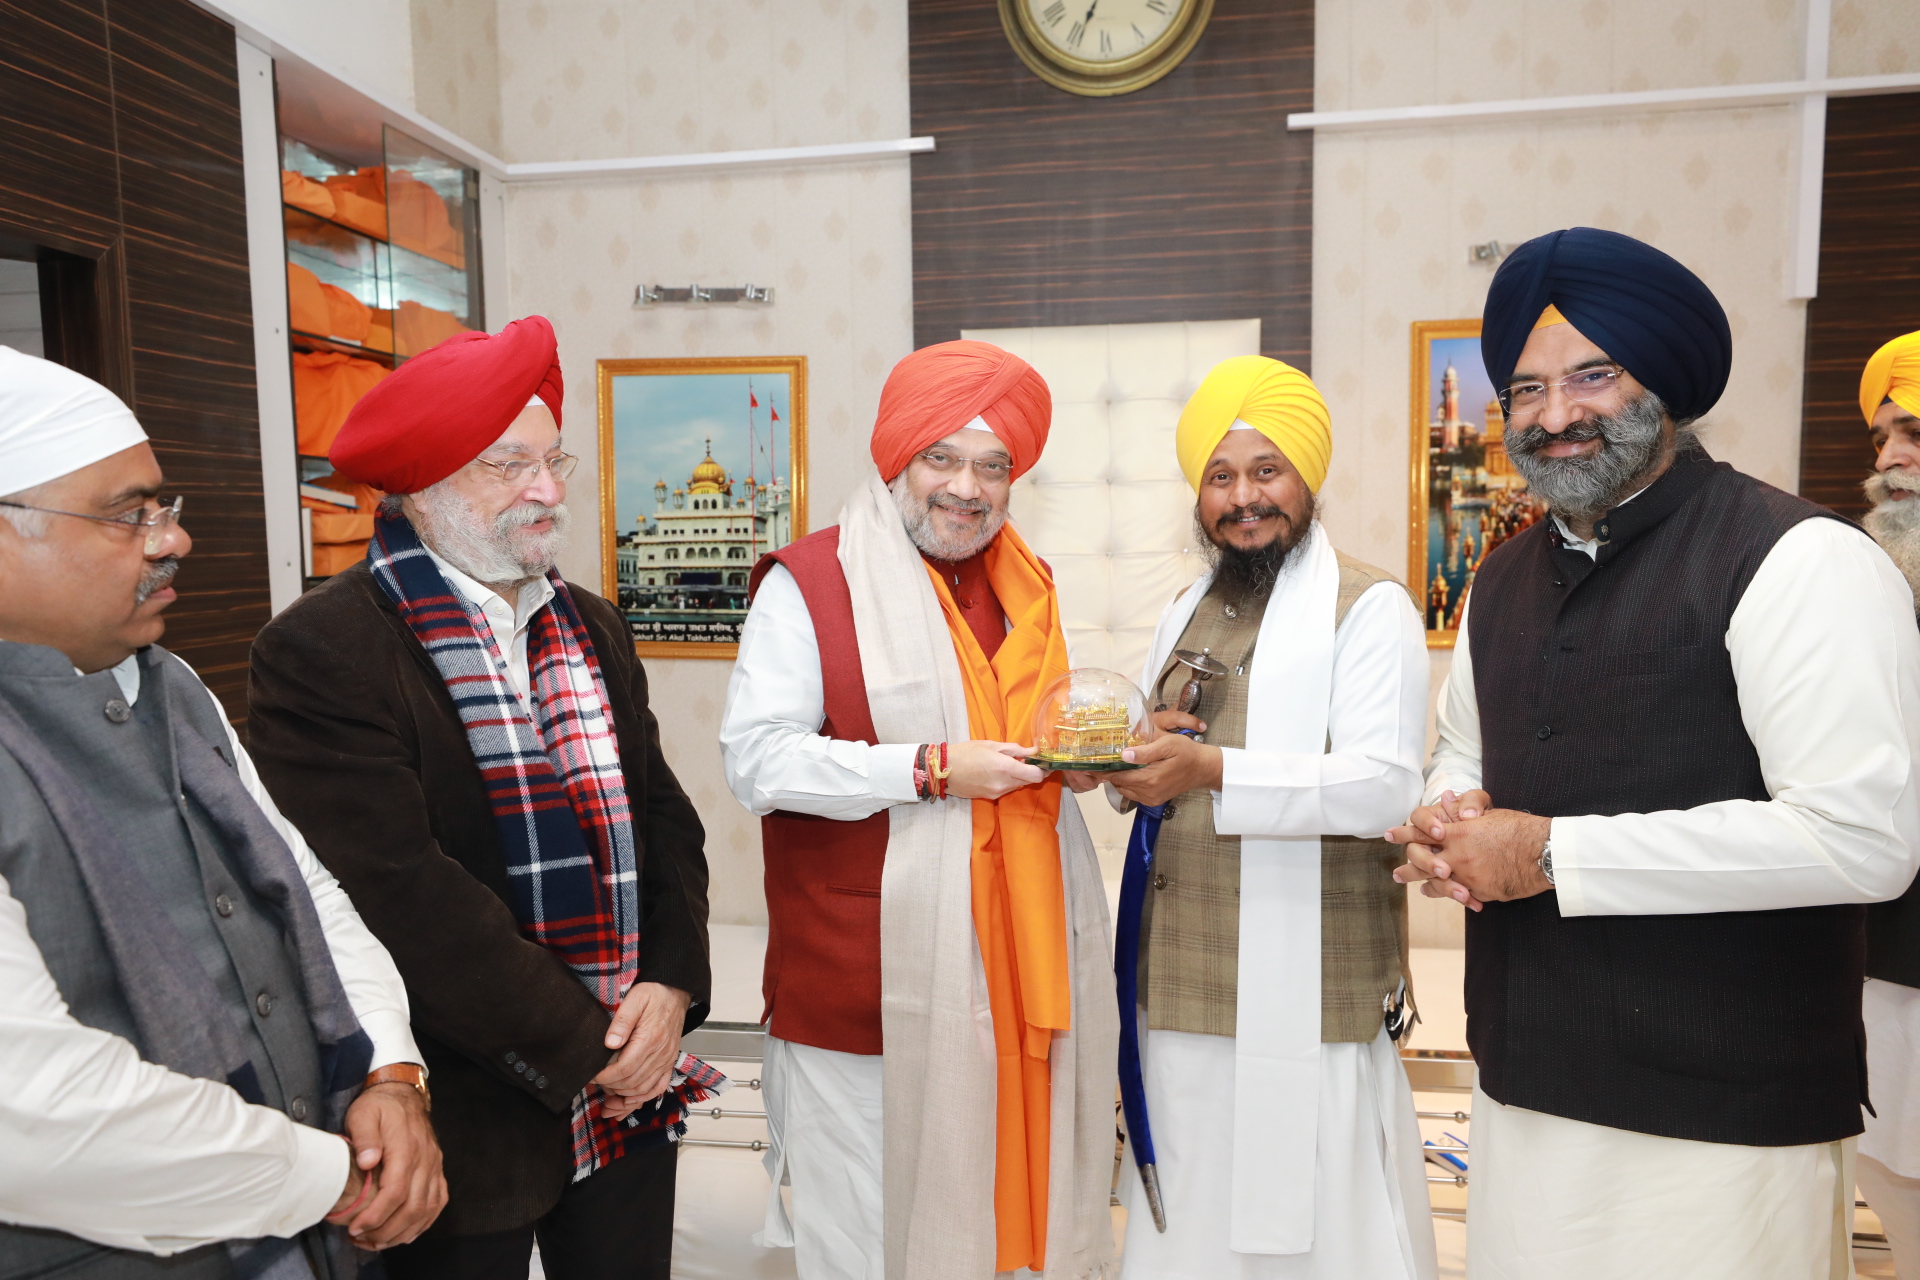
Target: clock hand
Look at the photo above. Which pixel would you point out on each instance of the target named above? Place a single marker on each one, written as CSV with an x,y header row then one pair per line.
x,y
1090,9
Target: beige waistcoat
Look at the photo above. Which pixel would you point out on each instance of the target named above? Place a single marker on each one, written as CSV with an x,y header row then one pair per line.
x,y
1190,927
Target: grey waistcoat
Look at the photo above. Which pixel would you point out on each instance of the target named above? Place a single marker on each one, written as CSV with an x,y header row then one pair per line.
x,y
126,757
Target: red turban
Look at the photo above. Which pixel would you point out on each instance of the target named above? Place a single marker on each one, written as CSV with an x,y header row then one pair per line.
x,y
939,389
440,410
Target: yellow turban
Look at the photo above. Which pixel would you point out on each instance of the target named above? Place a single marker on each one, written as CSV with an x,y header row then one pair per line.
x,y
1893,373
1275,399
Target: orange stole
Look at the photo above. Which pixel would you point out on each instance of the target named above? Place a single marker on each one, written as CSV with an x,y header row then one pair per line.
x,y
1019,904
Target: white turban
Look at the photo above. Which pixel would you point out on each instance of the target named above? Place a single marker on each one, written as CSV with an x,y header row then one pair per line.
x,y
54,421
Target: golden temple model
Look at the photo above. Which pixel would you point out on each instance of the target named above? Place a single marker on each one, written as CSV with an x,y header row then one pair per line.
x,y
1093,733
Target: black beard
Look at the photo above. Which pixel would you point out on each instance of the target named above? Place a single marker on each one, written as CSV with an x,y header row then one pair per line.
x,y
1246,576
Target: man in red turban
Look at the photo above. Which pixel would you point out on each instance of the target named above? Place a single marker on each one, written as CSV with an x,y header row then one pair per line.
x,y
466,740
939,1076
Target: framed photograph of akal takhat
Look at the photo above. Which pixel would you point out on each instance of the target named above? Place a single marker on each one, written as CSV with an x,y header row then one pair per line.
x,y
1465,496
703,470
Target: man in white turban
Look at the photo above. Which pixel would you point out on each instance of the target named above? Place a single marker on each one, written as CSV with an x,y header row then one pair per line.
x,y
194,1014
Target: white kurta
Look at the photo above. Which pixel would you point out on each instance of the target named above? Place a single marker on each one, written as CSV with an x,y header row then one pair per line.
x,y
1354,1140
1827,664
100,1144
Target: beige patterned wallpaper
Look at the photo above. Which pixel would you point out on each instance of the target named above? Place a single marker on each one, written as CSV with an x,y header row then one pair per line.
x,y
456,67
586,80
1874,38
1395,53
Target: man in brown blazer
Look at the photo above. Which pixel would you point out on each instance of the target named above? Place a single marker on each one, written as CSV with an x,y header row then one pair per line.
x,y
548,913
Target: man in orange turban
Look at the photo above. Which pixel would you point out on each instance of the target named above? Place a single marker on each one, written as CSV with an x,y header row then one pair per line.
x,y
939,1073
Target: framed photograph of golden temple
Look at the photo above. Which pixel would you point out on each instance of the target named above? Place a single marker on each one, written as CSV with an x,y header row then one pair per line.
x,y
703,470
1465,497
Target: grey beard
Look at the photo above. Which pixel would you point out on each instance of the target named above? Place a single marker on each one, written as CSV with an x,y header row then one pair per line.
x,y
1579,489
496,553
1248,577
917,515
157,575
1894,522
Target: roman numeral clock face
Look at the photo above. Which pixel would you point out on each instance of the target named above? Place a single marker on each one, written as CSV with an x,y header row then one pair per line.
x,y
1103,47
1103,31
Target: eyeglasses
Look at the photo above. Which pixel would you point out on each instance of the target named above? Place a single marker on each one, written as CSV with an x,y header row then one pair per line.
x,y
522,472
155,520
989,470
1582,384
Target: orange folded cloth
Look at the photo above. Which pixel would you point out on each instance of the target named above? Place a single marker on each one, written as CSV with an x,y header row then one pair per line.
x,y
416,328
326,386
419,220
360,200
330,558
379,332
303,192
325,309
342,526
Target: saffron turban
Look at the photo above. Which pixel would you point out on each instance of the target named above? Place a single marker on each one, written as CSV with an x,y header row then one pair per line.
x,y
440,410
1275,399
1657,319
939,389
54,421
1892,374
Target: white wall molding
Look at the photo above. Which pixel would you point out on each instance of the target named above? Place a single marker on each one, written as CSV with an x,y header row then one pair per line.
x,y
1506,111
471,153
761,158
1809,159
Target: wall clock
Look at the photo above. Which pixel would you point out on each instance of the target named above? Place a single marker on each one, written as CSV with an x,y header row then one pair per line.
x,y
1103,47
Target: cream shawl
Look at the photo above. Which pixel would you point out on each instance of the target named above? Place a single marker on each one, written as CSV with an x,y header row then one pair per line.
x,y
939,1064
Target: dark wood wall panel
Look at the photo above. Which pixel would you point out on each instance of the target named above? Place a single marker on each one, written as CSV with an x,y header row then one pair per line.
x,y
1869,283
1186,200
120,141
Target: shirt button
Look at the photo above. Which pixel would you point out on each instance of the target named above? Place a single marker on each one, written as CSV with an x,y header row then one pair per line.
x,y
512,1057
1167,811
541,1083
1544,732
297,1108
118,711
520,1067
223,904
1159,882
264,1003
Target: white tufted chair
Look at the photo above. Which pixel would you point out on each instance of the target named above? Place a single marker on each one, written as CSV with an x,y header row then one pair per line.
x,y
1106,506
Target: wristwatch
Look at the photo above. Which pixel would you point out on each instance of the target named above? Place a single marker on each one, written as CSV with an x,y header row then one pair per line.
x,y
1546,858
409,1073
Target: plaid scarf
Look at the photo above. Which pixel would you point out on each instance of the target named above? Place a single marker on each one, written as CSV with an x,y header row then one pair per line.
x,y
559,799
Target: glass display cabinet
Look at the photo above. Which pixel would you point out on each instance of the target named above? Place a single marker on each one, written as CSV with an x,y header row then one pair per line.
x,y
383,262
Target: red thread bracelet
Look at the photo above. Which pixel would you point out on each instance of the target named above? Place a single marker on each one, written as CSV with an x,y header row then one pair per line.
x,y
366,1186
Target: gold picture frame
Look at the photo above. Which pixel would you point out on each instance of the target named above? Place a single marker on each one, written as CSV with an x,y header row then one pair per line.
x,y
680,574
1480,504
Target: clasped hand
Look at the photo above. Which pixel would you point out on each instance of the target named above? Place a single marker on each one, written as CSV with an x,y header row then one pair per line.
x,y
393,1144
645,1031
1463,848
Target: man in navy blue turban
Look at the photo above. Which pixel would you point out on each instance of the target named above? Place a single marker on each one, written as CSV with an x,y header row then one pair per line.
x,y
1675,762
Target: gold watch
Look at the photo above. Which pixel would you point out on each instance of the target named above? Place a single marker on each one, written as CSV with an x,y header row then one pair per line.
x,y
408,1073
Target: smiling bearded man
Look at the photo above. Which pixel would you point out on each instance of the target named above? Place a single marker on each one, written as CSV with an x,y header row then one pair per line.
x,y
1692,698
939,1074
1271,947
467,738
1889,1172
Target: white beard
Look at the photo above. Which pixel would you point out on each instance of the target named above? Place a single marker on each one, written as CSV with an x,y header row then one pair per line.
x,y
1895,522
498,553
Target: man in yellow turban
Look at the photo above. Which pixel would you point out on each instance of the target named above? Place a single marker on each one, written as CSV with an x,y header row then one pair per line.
x,y
1888,1168
1272,1115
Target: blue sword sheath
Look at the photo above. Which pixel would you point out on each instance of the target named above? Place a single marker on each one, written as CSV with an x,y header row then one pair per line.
x,y
1134,878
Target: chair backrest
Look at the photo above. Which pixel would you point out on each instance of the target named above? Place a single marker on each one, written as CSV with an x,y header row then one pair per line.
x,y
1106,506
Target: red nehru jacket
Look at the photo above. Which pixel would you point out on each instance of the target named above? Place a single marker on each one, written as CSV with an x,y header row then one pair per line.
x,y
440,410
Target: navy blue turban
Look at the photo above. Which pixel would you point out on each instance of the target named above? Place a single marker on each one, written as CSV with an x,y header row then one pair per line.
x,y
1646,311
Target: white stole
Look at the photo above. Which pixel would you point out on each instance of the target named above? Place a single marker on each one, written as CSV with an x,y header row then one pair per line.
x,y
1276,1085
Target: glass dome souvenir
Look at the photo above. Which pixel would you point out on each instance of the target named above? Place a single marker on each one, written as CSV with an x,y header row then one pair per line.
x,y
1086,718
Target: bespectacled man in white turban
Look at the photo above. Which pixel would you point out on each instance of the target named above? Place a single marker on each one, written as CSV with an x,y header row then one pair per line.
x,y
194,1015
